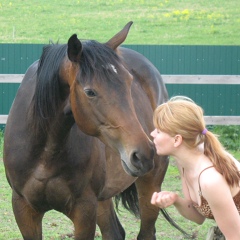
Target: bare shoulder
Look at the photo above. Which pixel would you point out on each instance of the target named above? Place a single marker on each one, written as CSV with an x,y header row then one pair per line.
x,y
212,181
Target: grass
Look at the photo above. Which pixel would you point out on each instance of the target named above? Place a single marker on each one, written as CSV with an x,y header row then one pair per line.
x,y
213,22
57,226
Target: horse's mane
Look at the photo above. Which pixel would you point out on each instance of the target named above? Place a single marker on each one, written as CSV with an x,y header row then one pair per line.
x,y
97,60
46,98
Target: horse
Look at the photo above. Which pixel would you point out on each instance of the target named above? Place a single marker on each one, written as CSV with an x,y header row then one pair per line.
x,y
77,135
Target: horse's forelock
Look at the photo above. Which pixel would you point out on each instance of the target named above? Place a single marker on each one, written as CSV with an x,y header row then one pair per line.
x,y
98,60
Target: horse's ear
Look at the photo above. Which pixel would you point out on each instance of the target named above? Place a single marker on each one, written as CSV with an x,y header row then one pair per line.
x,y
120,37
74,48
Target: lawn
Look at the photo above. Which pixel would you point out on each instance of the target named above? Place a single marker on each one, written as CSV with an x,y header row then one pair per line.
x,y
57,227
215,22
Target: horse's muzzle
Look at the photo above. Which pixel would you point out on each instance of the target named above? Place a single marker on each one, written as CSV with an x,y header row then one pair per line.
x,y
139,163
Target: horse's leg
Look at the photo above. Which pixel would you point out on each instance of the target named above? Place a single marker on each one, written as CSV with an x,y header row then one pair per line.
x,y
108,221
28,220
146,185
83,214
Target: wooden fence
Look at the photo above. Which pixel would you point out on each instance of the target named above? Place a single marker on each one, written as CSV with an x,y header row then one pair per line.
x,y
210,75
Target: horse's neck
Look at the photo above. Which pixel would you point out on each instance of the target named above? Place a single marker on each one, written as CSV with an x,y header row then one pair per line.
x,y
54,138
60,128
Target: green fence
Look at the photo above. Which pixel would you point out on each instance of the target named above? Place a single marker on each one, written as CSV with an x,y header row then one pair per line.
x,y
207,74
194,59
169,59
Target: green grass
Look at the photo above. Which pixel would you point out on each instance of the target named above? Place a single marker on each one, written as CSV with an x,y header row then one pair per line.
x,y
57,226
155,22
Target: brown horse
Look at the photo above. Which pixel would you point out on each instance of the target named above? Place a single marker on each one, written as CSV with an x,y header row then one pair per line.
x,y
78,134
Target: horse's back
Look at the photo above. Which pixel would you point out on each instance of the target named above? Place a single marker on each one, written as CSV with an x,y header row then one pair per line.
x,y
16,123
16,133
23,98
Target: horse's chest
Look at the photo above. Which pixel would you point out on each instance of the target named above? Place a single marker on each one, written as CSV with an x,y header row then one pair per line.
x,y
59,186
47,189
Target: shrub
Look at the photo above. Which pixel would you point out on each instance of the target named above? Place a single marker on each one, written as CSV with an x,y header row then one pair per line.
x,y
229,136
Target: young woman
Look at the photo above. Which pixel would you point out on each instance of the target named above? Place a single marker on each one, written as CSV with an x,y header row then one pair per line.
x,y
210,176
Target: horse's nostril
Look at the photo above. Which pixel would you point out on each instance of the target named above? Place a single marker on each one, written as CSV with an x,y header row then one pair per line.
x,y
136,160
142,160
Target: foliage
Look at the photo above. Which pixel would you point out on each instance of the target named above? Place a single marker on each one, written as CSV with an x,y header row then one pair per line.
x,y
229,136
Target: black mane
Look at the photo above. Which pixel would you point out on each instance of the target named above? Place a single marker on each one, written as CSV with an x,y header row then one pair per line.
x,y
46,99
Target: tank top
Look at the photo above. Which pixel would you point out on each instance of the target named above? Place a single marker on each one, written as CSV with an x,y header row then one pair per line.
x,y
204,208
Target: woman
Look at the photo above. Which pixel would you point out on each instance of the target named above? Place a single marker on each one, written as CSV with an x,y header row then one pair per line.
x,y
210,176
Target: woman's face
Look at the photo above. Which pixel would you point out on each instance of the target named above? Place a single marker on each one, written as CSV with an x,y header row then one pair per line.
x,y
164,143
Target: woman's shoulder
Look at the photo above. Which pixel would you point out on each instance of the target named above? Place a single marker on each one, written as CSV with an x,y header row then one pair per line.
x,y
210,178
213,186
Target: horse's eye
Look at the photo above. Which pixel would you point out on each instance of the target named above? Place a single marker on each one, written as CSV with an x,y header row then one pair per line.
x,y
90,92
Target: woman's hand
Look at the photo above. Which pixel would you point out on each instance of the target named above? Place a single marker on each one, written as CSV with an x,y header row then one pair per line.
x,y
164,199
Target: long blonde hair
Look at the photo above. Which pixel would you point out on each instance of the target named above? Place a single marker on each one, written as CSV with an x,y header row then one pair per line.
x,y
180,115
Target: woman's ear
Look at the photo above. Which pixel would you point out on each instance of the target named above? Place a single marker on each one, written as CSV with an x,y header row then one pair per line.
x,y
177,140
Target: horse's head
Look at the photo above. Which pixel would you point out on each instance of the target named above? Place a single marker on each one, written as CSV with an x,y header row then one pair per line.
x,y
101,101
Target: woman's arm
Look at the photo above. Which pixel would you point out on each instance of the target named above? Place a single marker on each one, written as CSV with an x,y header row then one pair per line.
x,y
165,199
184,205
218,195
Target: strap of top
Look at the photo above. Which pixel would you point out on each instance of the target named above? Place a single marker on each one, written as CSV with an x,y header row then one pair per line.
x,y
186,184
200,190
